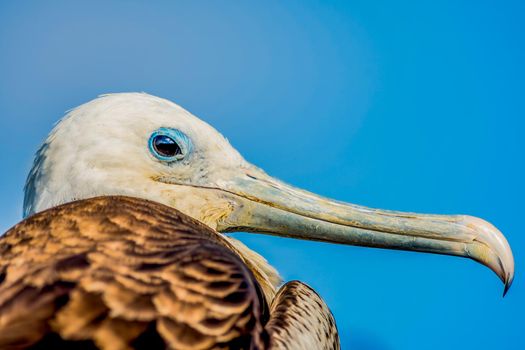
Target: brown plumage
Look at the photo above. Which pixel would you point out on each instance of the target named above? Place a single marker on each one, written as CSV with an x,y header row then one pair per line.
x,y
121,273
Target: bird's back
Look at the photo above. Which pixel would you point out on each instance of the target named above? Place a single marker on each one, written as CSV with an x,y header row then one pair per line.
x,y
127,273
118,273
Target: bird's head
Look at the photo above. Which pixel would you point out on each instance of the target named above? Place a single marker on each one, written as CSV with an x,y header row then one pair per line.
x,y
144,146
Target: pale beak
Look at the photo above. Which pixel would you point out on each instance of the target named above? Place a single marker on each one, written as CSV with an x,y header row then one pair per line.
x,y
266,205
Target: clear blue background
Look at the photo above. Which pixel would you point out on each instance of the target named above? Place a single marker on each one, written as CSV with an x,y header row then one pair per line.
x,y
407,105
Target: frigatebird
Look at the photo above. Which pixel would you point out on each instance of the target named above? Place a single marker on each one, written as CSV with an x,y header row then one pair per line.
x,y
124,245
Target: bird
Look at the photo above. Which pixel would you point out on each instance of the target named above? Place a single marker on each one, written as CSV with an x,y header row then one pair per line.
x,y
125,244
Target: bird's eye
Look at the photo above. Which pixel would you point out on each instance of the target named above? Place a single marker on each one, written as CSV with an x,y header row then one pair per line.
x,y
169,144
166,146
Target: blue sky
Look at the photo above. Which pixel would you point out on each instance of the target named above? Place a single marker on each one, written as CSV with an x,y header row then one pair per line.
x,y
406,105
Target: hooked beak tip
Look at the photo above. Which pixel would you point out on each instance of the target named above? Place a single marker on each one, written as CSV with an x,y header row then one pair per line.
x,y
494,249
508,283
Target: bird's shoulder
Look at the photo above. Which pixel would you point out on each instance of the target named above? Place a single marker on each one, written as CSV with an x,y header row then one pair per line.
x,y
118,272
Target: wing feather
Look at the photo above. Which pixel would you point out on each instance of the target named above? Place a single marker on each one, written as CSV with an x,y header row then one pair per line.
x,y
120,273
300,319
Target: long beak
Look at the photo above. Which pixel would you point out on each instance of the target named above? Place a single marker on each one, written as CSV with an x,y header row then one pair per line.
x,y
266,205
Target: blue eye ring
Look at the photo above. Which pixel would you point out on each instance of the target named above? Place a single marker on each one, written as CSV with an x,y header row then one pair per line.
x,y
169,145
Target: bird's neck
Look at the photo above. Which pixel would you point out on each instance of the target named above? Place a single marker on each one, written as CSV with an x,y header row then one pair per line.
x,y
267,276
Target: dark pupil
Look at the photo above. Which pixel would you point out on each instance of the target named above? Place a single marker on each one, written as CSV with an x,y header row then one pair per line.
x,y
166,146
